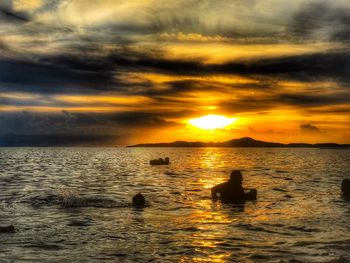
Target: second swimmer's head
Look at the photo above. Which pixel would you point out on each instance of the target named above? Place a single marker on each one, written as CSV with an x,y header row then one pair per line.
x,y
236,176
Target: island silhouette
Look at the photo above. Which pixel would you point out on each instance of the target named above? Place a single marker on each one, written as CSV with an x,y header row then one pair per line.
x,y
242,142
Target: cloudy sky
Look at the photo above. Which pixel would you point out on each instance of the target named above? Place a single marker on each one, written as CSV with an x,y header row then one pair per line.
x,y
117,72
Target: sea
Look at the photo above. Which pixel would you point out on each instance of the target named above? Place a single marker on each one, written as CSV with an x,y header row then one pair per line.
x,y
74,205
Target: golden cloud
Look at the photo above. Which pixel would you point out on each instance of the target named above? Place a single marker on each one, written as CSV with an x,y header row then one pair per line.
x,y
21,5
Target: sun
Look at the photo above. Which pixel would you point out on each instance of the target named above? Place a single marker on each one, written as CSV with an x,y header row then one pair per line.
x,y
211,122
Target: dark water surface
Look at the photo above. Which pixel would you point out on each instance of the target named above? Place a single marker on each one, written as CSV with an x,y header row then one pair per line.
x,y
73,205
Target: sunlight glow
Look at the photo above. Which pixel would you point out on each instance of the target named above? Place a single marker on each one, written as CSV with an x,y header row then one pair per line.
x,y
211,122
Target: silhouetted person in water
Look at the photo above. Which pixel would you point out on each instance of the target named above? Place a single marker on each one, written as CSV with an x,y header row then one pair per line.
x,y
230,191
7,229
345,187
139,200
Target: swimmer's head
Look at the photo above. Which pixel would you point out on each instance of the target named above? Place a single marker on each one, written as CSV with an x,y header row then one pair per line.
x,y
236,176
139,200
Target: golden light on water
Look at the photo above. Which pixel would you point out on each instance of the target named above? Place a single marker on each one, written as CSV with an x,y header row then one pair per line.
x,y
212,121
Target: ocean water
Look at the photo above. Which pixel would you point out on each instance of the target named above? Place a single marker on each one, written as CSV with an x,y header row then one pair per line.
x,y
73,205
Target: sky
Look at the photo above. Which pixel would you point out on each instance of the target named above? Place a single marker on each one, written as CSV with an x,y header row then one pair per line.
x,y
119,72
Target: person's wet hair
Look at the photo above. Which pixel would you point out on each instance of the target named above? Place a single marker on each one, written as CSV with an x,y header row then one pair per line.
x,y
139,200
236,175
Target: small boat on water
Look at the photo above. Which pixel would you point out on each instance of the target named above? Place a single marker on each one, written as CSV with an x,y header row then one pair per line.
x,y
160,161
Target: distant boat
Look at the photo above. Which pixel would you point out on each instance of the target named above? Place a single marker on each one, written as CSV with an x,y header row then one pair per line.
x,y
160,161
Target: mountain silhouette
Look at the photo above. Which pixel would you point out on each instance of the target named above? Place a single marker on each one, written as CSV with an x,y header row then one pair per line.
x,y
242,142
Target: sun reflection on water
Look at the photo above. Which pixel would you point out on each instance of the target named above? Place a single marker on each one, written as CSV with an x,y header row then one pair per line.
x,y
213,258
204,217
296,206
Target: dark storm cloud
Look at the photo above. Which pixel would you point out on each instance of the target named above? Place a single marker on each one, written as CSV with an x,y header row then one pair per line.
x,y
95,75
150,63
308,67
305,67
273,99
69,128
65,121
176,89
57,140
33,122
9,15
310,17
176,92
325,20
304,100
18,102
342,109
71,74
182,86
64,74
334,65
141,119
37,77
249,104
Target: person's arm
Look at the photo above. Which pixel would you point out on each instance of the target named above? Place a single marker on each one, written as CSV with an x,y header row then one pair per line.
x,y
215,190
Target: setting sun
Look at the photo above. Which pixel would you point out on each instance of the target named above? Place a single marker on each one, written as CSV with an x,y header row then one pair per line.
x,y
210,122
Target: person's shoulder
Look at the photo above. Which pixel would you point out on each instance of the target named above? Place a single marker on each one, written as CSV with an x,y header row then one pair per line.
x,y
221,185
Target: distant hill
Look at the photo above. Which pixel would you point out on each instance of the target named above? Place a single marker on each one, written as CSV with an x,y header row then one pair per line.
x,y
242,142
249,142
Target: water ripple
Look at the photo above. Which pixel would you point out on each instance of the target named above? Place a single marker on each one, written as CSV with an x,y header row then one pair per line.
x,y
74,204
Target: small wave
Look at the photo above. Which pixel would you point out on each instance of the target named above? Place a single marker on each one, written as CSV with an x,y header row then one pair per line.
x,y
279,189
262,229
80,222
49,199
259,168
118,255
74,201
45,246
303,229
166,242
260,257
170,173
194,190
115,237
190,229
340,259
99,202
